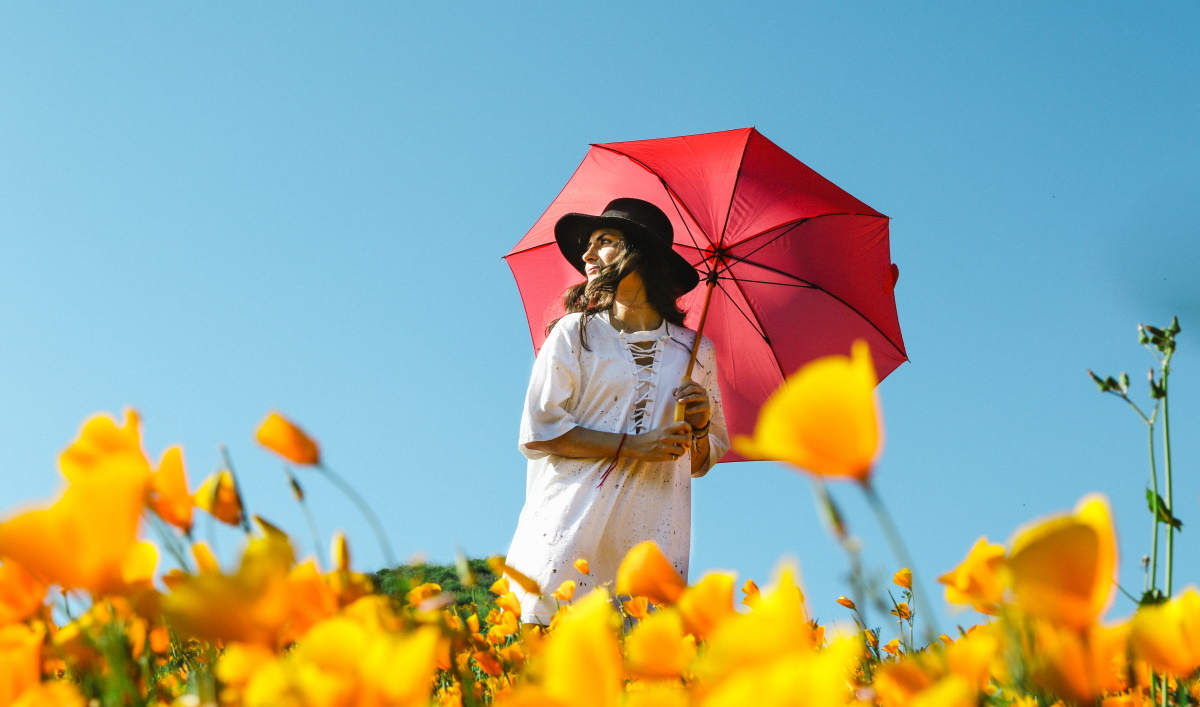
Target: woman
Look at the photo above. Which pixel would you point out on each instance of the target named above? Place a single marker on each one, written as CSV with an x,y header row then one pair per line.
x,y
608,465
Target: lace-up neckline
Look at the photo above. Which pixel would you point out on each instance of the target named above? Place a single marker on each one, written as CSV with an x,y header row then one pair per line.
x,y
644,349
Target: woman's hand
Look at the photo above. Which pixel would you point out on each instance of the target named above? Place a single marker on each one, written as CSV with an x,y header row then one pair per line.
x,y
695,399
663,444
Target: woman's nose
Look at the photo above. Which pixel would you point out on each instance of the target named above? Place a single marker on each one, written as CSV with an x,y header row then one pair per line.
x,y
589,255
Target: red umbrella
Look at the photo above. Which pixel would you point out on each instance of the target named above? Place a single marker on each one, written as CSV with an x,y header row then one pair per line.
x,y
795,266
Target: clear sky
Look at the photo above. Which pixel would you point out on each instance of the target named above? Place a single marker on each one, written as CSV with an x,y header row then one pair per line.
x,y
211,210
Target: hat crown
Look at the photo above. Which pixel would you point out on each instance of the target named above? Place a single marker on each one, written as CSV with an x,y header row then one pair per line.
x,y
644,214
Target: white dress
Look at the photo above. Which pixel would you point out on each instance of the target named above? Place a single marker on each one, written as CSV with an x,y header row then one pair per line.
x,y
622,384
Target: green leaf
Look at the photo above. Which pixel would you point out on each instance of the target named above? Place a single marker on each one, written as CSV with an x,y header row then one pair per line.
x,y
1160,511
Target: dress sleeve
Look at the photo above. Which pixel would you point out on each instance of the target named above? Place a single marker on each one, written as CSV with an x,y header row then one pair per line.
x,y
718,434
551,397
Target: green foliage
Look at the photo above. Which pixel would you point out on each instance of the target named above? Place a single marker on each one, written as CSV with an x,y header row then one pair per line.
x,y
397,582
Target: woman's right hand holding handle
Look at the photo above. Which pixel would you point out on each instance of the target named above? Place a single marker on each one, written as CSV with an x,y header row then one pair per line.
x,y
666,443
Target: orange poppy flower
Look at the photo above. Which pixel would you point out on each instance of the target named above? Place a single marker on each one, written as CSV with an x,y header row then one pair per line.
x,y
168,492
498,566
281,436
20,660
637,607
87,539
565,591
251,605
903,578
846,602
824,418
218,495
707,604
1078,665
21,594
646,572
977,581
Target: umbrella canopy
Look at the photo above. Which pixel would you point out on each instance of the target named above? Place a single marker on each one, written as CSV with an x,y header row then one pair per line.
x,y
802,269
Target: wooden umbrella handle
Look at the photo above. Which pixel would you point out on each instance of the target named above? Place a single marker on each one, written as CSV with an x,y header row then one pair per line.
x,y
710,283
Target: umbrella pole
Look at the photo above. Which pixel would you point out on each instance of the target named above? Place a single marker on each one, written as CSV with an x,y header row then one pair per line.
x,y
710,283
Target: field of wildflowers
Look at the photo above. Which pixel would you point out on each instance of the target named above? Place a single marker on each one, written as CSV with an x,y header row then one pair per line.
x,y
87,617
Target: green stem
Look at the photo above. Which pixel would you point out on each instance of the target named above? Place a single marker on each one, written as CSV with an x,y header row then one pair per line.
x,y
361,502
1166,371
298,494
237,489
892,533
1153,514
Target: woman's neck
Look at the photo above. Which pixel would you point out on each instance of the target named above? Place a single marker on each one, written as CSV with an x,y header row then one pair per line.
x,y
631,308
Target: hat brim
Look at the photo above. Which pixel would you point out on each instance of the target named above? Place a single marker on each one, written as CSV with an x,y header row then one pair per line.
x,y
573,231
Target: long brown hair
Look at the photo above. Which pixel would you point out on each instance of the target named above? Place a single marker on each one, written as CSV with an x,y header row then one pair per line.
x,y
600,294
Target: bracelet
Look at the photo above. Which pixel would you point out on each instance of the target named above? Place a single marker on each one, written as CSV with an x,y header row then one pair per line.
x,y
703,431
616,458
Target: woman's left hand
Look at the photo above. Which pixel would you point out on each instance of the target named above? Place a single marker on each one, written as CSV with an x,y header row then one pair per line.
x,y
695,399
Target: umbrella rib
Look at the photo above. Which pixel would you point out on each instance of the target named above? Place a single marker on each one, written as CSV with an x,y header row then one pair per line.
x,y
817,287
733,192
798,222
676,200
758,328
783,233
757,324
526,250
801,285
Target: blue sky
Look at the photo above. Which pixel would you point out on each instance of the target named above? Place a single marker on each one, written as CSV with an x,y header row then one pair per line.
x,y
208,211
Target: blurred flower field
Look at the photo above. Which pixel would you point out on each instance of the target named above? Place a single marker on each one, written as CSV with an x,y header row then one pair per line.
x,y
93,612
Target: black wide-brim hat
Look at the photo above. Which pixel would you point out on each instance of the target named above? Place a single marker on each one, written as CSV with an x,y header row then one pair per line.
x,y
635,219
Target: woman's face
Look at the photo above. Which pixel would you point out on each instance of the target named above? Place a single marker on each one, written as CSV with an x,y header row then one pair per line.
x,y
604,246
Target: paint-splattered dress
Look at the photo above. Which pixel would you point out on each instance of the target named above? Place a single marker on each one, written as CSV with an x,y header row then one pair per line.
x,y
622,384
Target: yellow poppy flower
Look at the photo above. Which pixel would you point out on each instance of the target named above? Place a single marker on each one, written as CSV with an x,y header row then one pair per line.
x,y
102,443
59,693
1063,568
779,625
824,418
581,663
87,539
903,578
582,565
281,436
658,647
1167,636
